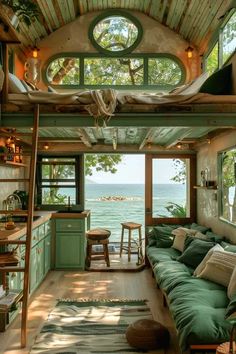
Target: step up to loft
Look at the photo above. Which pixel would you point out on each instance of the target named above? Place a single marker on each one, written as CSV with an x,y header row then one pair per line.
x,y
12,269
9,299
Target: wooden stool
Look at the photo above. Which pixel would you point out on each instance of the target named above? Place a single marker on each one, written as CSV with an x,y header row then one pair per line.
x,y
130,226
97,237
224,348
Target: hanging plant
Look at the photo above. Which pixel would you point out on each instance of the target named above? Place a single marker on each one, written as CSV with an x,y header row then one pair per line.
x,y
26,11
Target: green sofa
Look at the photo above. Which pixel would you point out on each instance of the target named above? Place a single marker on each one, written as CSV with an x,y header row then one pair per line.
x,y
197,305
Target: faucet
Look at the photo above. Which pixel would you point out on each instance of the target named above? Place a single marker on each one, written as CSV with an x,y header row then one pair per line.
x,y
12,202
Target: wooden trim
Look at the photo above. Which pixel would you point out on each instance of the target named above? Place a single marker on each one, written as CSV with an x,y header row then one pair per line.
x,y
149,219
29,227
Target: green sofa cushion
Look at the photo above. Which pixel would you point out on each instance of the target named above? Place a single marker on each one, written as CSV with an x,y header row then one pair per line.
x,y
228,247
199,228
156,255
195,251
170,274
198,308
219,83
214,237
160,236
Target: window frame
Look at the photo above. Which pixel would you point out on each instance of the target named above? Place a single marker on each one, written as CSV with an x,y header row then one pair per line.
x,y
144,56
149,219
78,185
218,37
117,13
220,185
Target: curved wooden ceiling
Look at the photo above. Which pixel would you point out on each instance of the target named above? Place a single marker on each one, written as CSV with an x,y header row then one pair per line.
x,y
194,20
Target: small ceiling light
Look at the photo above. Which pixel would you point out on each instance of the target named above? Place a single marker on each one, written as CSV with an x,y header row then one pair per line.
x,y
149,145
46,146
208,141
189,52
179,146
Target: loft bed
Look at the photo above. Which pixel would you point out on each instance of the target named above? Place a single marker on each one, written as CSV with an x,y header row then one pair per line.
x,y
218,105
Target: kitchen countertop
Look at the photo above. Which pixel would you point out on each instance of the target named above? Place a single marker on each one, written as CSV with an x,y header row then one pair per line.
x,y
20,228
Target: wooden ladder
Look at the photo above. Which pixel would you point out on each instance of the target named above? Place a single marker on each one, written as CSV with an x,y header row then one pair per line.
x,y
24,295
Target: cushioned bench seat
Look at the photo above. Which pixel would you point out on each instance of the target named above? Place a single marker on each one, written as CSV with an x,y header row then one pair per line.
x,y
198,309
161,254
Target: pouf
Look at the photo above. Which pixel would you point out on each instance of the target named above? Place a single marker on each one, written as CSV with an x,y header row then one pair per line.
x,y
147,334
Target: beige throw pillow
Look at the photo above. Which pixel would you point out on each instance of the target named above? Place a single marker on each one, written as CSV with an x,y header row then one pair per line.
x,y
232,284
219,267
180,236
202,265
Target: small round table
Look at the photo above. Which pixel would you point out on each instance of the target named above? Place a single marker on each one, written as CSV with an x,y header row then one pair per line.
x,y
97,237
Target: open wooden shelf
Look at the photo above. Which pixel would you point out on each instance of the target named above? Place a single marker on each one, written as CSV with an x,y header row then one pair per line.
x,y
203,187
12,164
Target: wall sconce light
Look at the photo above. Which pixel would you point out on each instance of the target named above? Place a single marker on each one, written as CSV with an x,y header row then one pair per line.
x,y
35,51
46,146
189,52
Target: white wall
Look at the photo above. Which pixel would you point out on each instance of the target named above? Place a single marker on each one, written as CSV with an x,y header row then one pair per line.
x,y
10,187
207,205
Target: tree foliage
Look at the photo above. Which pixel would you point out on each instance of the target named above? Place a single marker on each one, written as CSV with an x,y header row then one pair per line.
x,y
101,162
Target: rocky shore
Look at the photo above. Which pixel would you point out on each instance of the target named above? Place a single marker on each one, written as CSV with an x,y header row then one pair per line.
x,y
117,198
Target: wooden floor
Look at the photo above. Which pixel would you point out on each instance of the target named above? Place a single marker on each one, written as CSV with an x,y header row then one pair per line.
x,y
60,284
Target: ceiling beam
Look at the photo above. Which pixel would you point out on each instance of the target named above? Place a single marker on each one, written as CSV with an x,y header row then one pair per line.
x,y
85,137
178,136
147,138
115,138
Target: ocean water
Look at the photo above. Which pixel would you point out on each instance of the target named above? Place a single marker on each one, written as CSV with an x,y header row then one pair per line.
x,y
109,213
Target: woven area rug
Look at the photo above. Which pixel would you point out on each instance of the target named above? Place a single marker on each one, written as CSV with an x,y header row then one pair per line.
x,y
90,326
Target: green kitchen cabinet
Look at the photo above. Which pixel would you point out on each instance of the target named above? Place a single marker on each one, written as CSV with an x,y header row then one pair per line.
x,y
47,253
70,243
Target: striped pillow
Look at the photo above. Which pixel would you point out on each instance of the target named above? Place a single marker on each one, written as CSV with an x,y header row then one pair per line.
x,y
219,267
232,285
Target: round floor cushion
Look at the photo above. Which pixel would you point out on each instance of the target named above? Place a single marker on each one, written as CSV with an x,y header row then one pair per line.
x,y
147,334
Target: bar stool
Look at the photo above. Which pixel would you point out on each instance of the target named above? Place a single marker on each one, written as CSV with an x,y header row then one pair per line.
x,y
130,226
97,237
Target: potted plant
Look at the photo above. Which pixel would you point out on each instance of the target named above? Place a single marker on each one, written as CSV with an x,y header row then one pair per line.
x,y
25,11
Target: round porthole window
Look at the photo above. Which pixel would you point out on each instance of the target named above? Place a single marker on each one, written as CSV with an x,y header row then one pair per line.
x,y
115,33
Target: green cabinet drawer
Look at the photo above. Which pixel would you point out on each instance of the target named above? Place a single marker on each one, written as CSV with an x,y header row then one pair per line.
x,y
69,225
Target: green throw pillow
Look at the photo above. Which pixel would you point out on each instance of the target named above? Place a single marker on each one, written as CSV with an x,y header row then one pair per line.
x,y
199,228
231,308
161,237
219,83
195,252
228,246
214,237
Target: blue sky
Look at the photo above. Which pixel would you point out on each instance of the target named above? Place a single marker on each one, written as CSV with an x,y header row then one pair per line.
x,y
132,170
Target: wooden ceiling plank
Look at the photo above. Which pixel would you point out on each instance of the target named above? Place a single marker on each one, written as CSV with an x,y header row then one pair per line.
x,y
178,136
172,11
215,23
162,10
180,10
147,138
154,11
85,137
24,29
44,10
189,17
146,6
198,19
205,23
62,11
72,9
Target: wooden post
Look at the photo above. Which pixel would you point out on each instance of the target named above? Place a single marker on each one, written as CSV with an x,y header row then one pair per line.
x,y
5,68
